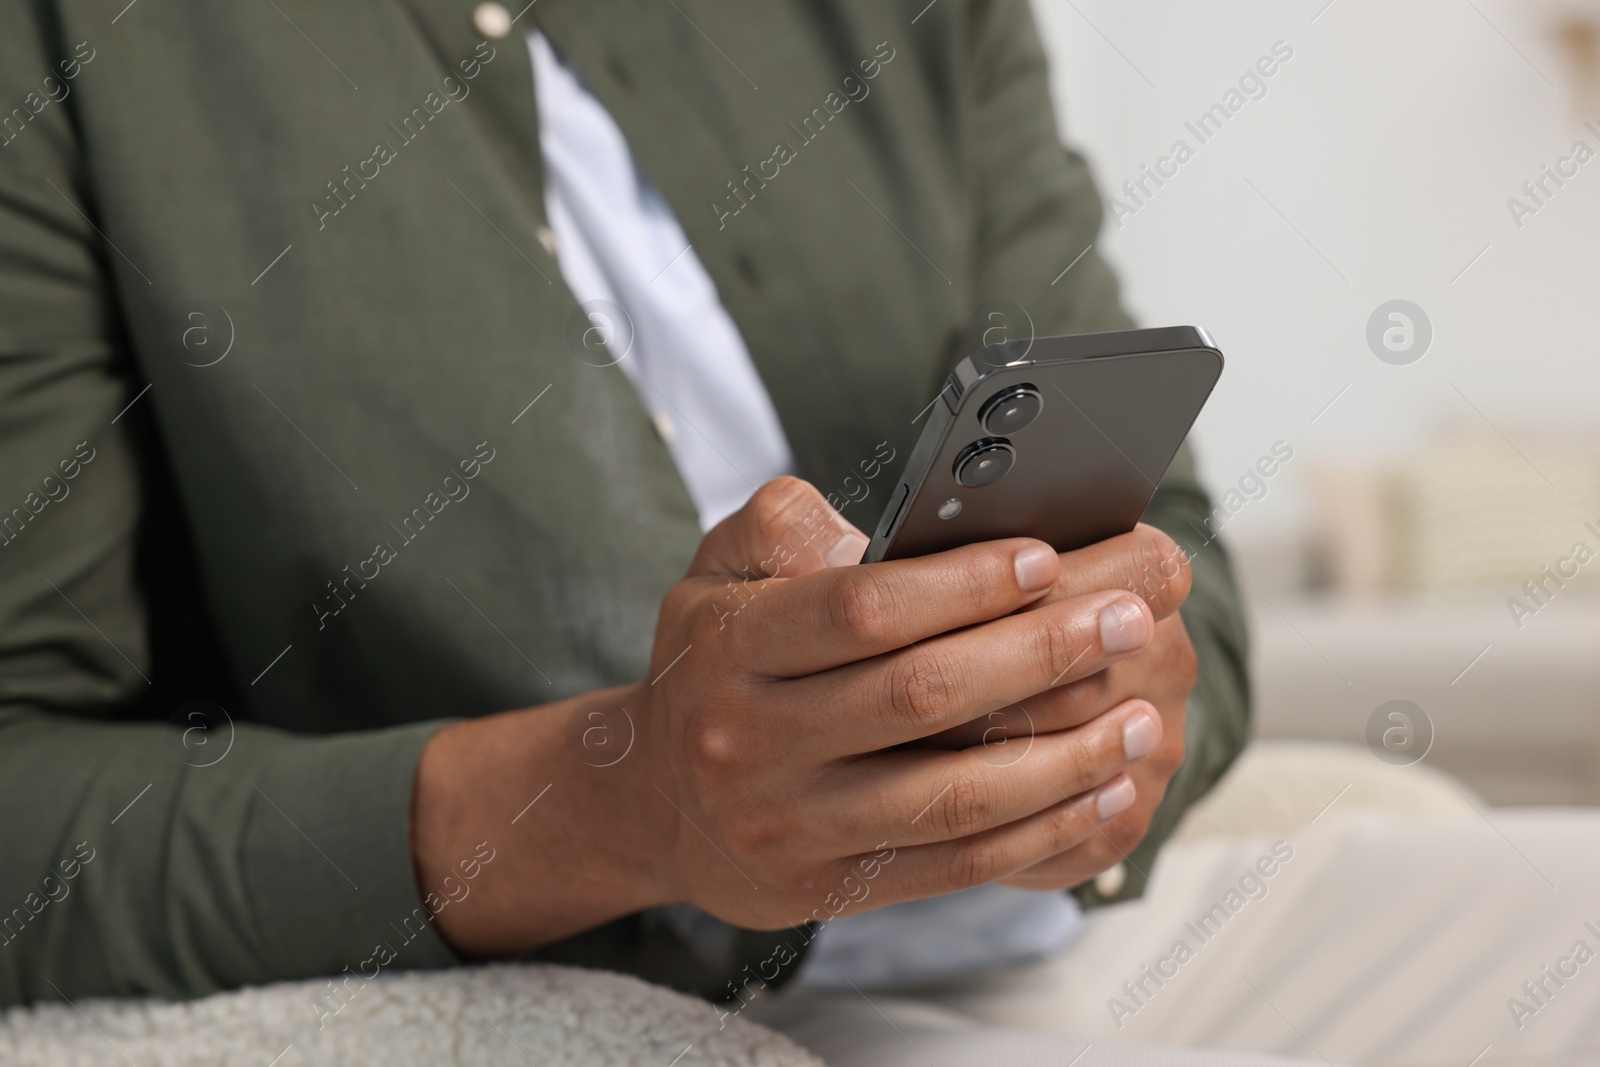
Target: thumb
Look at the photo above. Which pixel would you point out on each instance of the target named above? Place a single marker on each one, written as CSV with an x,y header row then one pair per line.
x,y
787,528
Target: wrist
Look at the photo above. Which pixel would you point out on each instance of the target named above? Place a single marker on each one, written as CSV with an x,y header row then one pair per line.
x,y
578,839
629,812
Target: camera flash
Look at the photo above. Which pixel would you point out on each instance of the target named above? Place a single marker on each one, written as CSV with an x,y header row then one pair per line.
x,y
950,508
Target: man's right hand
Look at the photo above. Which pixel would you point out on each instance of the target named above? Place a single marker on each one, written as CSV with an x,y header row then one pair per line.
x,y
771,719
767,751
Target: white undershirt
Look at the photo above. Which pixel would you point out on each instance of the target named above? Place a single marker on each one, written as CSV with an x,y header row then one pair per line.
x,y
619,242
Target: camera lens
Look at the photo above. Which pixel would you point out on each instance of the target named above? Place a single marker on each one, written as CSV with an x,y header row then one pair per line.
x,y
1012,409
984,462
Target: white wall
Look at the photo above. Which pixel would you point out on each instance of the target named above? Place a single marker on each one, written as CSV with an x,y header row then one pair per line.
x,y
1391,140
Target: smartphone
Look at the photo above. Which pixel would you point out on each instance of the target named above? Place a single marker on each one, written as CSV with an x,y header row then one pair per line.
x,y
1059,438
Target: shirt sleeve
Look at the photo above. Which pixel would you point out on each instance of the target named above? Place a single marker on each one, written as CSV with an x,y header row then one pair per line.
x,y
1036,227
127,865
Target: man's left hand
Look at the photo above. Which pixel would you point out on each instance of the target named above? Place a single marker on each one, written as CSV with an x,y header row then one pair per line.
x,y
1150,564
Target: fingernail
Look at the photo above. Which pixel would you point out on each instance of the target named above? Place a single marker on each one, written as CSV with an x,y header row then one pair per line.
x,y
1140,735
847,549
1115,799
1123,627
1036,568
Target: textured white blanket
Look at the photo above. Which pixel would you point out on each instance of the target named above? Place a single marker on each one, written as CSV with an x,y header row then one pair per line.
x,y
471,1017
556,1016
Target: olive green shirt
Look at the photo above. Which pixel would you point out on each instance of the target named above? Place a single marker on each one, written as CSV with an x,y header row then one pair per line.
x,y
274,315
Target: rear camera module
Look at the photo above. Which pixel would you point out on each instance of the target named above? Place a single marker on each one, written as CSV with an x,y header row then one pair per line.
x,y
1011,409
984,462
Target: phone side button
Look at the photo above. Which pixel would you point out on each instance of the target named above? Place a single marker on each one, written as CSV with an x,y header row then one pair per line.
x,y
951,393
891,514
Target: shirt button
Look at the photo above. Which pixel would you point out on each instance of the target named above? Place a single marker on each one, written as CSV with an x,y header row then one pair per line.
x,y
547,238
1109,882
491,20
666,429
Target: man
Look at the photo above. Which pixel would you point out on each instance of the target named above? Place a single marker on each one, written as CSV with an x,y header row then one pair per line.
x,y
428,428
293,303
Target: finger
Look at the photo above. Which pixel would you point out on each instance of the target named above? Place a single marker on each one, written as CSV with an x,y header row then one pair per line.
x,y
1145,562
786,528
920,797
1116,837
845,614
1062,708
944,867
948,680
1163,673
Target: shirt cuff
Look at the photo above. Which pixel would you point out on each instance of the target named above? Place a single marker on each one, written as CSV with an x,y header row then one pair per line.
x,y
326,855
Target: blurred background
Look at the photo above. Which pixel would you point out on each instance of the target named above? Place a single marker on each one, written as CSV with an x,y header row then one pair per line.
x,y
1428,539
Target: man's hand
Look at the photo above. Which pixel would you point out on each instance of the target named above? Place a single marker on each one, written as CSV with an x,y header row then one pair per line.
x,y
1158,678
788,750
770,749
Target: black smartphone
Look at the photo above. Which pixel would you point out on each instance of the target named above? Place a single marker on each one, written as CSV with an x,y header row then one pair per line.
x,y
1059,438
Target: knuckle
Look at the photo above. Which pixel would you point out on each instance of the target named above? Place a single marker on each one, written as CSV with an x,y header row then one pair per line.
x,y
923,691
1098,760
775,499
1160,566
973,863
679,601
778,507
976,580
1064,827
714,747
771,507
712,627
1059,645
1092,760
858,606
968,805
706,624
